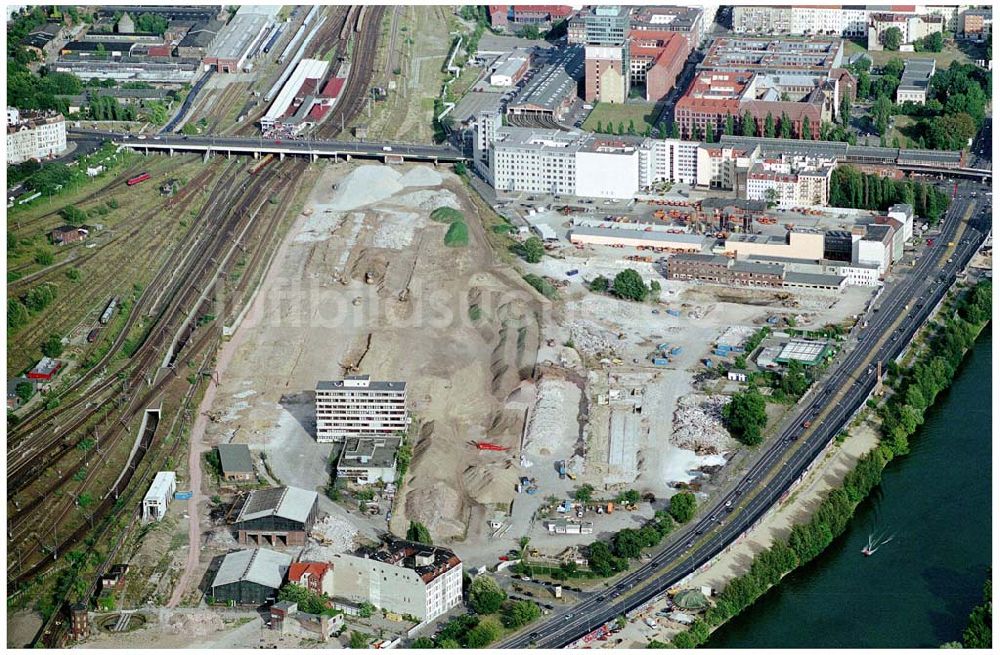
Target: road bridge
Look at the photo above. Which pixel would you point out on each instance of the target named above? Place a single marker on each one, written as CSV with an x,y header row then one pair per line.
x,y
389,152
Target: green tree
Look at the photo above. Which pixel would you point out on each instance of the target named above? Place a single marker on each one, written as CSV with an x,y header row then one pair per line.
x,y
795,382
748,125
682,506
52,346
44,257
533,249
629,285
845,109
979,632
675,131
746,416
627,544
519,613
631,126
485,595
730,127
709,133
892,38
584,494
366,610
807,132
418,532
24,390
73,215
423,642
308,601
602,561
17,314
621,127
786,126
769,126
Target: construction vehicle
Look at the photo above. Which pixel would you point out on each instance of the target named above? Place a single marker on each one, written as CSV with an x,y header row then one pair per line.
x,y
561,465
486,445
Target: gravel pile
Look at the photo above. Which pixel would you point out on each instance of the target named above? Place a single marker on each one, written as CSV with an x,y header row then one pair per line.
x,y
736,335
552,426
698,425
195,625
395,229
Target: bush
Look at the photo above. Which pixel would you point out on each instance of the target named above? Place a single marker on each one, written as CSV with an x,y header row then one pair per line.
x,y
599,284
484,634
682,506
532,250
542,286
457,235
24,390
44,257
73,215
308,601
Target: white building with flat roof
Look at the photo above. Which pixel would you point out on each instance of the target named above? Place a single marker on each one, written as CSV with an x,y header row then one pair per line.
x,y
359,406
34,136
156,500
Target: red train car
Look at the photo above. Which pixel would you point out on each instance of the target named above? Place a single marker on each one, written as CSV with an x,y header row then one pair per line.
x,y
138,178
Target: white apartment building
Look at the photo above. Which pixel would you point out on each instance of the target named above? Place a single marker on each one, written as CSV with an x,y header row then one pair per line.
x,y
674,160
609,168
717,165
904,214
36,136
358,406
860,275
402,577
843,20
534,161
484,133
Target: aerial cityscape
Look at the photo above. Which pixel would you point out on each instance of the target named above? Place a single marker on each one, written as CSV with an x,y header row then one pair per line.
x,y
499,326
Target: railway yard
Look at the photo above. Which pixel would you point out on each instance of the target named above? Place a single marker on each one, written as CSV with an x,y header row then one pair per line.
x,y
175,302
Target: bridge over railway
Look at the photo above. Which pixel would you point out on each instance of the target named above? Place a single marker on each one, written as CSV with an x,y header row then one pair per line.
x,y
312,148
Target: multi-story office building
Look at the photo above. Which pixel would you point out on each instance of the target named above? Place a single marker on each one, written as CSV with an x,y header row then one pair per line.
x,y
607,77
34,135
358,406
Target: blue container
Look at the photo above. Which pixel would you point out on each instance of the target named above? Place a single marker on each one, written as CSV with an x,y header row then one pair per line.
x,y
183,495
660,361
674,312
676,350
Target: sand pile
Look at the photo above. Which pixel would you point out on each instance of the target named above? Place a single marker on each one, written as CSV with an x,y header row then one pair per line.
x,y
698,425
438,508
421,176
364,186
428,199
490,484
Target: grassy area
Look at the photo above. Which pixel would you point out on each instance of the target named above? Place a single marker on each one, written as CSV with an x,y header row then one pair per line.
x,y
457,235
642,114
446,215
948,54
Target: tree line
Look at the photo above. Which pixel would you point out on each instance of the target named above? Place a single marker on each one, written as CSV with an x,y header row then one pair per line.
x,y
808,540
849,187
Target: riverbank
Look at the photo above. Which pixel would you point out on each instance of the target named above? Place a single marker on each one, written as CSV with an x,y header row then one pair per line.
x,y
911,393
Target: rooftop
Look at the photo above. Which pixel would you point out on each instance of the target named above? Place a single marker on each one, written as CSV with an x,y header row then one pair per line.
x,y
359,382
161,484
666,237
233,40
556,81
235,458
773,55
286,502
369,452
259,565
428,561
816,279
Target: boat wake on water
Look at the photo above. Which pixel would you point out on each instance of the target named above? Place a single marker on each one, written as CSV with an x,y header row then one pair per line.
x,y
875,541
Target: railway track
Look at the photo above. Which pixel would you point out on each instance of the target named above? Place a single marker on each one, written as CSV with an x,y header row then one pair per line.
x,y
367,23
244,212
37,419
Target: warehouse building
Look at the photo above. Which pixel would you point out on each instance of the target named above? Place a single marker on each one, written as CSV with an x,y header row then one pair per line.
x,y
403,577
156,500
237,465
368,460
232,46
662,241
359,406
774,56
717,269
250,577
279,516
656,59
551,92
795,244
297,95
199,39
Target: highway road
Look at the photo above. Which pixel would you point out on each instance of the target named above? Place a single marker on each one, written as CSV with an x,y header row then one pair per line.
x,y
902,309
323,147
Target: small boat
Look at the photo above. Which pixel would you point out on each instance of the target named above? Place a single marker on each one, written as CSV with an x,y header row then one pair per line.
x,y
874,543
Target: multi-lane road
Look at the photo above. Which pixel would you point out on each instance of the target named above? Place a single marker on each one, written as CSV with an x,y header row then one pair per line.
x,y
902,309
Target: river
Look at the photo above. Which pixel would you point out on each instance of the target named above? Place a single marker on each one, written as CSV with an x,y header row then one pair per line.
x,y
917,590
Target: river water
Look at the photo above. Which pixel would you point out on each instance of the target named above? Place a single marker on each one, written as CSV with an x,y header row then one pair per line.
x,y
916,591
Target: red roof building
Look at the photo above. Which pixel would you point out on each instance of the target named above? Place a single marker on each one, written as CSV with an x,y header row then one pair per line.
x,y
333,87
656,58
315,576
44,369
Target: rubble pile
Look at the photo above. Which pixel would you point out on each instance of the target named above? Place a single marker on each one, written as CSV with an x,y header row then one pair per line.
x,y
552,427
698,425
335,533
591,339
